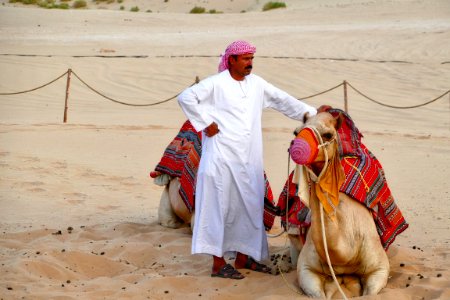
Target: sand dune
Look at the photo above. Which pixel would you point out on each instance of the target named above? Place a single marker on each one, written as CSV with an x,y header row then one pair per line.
x,y
78,210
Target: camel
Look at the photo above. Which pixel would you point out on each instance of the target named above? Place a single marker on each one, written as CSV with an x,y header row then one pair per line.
x,y
172,212
355,252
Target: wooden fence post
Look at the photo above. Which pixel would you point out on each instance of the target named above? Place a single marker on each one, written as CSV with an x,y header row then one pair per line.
x,y
69,72
345,97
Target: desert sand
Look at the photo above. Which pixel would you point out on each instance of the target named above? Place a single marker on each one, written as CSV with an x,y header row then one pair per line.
x,y
78,211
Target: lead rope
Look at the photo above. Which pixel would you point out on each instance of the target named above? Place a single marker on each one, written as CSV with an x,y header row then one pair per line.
x,y
287,202
326,252
287,224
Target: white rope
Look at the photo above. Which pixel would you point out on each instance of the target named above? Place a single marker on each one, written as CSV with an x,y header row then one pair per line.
x,y
326,252
287,202
270,235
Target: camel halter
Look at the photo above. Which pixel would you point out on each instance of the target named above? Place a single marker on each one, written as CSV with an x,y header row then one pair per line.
x,y
322,144
316,179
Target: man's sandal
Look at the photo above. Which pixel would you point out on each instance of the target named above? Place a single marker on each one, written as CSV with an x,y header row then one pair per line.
x,y
227,271
253,265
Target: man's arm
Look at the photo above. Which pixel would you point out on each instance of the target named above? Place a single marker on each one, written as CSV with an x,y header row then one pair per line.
x,y
194,102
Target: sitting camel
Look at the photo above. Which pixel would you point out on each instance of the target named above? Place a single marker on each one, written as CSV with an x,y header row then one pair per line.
x,y
342,230
172,212
176,171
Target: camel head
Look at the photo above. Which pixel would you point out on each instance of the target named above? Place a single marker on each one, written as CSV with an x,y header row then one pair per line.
x,y
316,141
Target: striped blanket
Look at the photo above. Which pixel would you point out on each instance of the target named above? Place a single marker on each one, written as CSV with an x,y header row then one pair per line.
x,y
181,159
365,182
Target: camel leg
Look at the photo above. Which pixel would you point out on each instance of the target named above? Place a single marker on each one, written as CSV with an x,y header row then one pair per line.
x,y
353,285
177,203
375,281
350,286
166,216
310,281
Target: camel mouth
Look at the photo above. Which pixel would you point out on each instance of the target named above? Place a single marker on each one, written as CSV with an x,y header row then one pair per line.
x,y
304,148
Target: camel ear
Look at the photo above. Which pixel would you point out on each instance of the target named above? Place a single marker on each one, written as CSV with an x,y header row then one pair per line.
x,y
339,119
324,108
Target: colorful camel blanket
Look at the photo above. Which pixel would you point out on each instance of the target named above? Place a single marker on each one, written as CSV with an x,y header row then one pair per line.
x,y
181,159
364,181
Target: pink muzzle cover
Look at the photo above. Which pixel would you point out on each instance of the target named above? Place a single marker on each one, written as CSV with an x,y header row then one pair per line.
x,y
304,148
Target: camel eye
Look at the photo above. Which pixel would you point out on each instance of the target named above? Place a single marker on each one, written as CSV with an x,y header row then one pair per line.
x,y
327,136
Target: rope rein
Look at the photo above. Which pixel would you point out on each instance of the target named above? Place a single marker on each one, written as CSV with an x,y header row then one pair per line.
x,y
360,175
324,238
287,201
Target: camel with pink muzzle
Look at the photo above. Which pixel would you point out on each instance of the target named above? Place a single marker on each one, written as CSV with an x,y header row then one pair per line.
x,y
342,243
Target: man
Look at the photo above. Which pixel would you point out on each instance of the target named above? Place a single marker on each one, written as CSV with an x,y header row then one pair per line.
x,y
229,201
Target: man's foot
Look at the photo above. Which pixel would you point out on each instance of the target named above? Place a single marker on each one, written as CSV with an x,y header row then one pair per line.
x,y
227,271
253,265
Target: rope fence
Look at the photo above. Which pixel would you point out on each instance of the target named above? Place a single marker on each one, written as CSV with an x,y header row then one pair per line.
x,y
345,84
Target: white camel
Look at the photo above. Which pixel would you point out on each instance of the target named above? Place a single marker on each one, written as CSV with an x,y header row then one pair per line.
x,y
355,251
172,212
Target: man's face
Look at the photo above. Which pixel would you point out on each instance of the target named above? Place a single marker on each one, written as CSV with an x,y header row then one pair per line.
x,y
242,65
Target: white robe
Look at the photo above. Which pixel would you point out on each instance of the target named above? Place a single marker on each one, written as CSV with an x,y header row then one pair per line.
x,y
229,199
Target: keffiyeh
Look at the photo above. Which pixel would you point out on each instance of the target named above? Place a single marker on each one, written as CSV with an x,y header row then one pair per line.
x,y
235,48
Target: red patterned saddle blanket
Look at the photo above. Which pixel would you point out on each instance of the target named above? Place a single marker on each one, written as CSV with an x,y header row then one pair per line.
x,y
365,182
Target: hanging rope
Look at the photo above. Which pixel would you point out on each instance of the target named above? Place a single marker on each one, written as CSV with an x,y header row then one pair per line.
x,y
39,87
171,98
121,102
398,107
326,91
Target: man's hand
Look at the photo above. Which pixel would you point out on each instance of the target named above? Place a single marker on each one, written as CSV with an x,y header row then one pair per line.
x,y
211,130
305,117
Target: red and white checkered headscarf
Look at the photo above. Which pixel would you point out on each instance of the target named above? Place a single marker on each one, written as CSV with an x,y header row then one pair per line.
x,y
235,48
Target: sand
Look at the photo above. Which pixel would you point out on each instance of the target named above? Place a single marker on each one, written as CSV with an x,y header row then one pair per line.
x,y
78,209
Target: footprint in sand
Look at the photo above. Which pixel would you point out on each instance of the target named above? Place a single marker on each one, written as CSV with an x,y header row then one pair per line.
x,y
4,153
108,207
31,184
75,198
75,202
89,173
60,165
36,190
30,159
